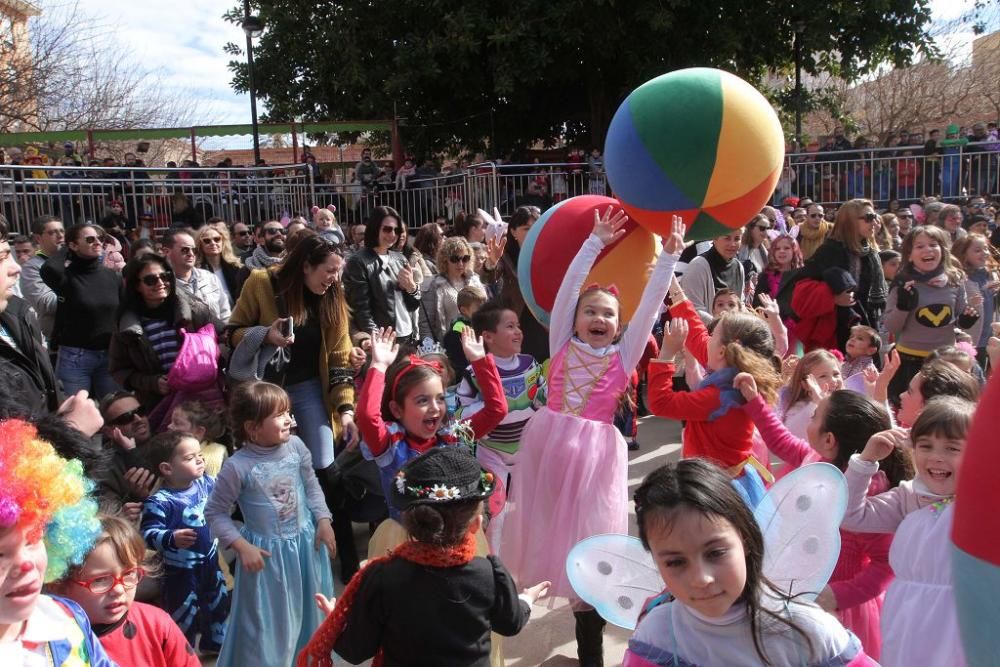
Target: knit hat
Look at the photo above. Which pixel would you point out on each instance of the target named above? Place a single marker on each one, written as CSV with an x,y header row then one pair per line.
x,y
839,280
441,475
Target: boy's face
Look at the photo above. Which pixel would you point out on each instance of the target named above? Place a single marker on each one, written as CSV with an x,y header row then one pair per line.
x,y
859,345
22,571
185,466
506,340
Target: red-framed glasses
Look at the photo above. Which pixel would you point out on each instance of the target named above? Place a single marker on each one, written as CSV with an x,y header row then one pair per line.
x,y
130,578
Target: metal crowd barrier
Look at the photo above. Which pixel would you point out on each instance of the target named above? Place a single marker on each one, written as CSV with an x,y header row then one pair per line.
x,y
84,194
903,173
255,195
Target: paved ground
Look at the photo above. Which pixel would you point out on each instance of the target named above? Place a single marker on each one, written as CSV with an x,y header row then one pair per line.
x,y
548,640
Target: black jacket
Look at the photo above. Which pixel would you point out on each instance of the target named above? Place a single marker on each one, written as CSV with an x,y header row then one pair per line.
x,y
28,368
88,295
370,306
428,616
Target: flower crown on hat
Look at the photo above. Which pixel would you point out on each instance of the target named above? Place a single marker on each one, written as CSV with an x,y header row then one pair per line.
x,y
442,491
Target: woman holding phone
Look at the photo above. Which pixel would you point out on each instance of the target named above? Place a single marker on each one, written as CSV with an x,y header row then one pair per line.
x,y
297,309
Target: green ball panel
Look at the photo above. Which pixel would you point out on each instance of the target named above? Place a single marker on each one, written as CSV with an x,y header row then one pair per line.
x,y
679,117
706,227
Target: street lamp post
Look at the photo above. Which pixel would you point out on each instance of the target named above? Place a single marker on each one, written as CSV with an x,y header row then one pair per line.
x,y
797,45
253,27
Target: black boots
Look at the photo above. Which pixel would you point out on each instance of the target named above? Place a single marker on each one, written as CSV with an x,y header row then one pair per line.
x,y
590,638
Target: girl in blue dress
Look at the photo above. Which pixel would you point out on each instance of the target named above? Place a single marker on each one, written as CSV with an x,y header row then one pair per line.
x,y
282,562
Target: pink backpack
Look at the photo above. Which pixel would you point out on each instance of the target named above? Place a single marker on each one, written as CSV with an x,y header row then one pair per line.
x,y
197,364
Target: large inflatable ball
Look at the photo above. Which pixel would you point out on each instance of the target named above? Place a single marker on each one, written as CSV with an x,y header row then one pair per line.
x,y
556,238
699,143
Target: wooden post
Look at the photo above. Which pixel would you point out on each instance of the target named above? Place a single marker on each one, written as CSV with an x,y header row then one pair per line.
x,y
295,146
194,146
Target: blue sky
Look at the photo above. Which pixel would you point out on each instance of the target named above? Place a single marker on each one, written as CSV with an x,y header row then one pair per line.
x,y
182,41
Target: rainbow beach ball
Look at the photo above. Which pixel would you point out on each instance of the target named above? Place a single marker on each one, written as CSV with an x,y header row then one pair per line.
x,y
699,143
555,239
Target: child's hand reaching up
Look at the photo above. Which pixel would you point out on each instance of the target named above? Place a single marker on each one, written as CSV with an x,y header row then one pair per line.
x,y
674,244
608,228
537,592
674,335
325,604
890,364
746,385
324,535
384,348
472,345
816,393
882,443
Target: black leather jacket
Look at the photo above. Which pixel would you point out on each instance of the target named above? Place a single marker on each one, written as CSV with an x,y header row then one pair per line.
x,y
27,368
370,306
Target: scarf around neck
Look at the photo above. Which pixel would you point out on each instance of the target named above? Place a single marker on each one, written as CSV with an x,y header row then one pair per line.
x,y
317,651
261,260
729,396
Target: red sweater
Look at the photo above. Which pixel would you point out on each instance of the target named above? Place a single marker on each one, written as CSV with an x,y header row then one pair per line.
x,y
147,636
373,428
812,301
727,440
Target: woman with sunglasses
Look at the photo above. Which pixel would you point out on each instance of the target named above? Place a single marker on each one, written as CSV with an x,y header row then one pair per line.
x,y
753,247
379,283
848,247
215,254
439,301
88,294
147,337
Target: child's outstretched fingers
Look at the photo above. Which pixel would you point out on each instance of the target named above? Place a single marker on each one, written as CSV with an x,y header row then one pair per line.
x,y
674,244
472,345
538,591
881,444
812,387
384,347
746,385
325,604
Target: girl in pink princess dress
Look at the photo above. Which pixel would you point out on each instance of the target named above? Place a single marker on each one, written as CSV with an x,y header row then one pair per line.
x,y
574,483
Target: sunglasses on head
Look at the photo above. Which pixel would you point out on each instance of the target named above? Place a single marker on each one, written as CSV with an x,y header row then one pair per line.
x,y
274,231
455,259
126,418
154,279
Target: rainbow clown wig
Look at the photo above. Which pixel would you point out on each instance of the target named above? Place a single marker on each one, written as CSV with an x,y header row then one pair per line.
x,y
46,496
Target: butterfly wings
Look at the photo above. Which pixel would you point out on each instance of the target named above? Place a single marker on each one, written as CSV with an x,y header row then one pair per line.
x,y
615,575
800,517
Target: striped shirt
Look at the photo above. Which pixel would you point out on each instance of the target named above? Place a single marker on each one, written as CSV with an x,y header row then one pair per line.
x,y
163,338
524,386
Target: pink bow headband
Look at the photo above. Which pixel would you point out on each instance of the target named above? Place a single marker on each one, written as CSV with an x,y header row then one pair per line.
x,y
413,362
611,289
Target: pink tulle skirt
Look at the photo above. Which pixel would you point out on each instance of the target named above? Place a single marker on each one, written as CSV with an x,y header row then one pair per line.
x,y
863,620
572,483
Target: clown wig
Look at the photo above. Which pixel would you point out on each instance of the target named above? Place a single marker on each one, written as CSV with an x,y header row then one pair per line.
x,y
45,496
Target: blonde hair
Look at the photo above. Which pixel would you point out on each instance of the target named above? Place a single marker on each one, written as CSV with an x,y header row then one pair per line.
x,y
845,229
808,362
324,213
961,247
749,348
451,246
228,256
951,268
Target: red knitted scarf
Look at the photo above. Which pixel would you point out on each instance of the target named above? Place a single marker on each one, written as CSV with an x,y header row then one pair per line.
x,y
317,651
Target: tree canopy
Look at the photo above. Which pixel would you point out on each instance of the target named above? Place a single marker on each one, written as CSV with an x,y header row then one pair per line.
x,y
481,74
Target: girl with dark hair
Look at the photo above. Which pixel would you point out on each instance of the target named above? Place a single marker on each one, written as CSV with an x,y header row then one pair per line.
x,y
721,609
841,426
379,283
147,337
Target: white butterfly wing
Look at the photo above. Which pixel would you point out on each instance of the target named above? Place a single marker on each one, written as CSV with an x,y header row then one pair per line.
x,y
615,575
800,517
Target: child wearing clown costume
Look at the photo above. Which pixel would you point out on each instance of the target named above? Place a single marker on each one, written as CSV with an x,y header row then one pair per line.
x,y
573,461
47,524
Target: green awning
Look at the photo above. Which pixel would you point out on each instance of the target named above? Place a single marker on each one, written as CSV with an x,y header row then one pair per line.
x,y
138,134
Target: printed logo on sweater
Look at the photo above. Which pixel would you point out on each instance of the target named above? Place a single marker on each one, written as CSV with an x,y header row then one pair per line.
x,y
935,315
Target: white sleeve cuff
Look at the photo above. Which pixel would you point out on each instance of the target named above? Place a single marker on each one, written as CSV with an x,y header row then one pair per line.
x,y
865,467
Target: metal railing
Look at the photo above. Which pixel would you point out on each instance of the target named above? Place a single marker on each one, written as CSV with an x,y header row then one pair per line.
x,y
904,173
171,196
254,195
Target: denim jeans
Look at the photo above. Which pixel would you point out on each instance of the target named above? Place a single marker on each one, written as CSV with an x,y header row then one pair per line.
x,y
78,369
312,420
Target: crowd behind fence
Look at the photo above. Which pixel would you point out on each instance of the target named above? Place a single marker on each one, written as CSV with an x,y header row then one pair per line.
x,y
254,195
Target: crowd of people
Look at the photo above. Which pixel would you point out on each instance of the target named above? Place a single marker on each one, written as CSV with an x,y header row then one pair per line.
x,y
220,405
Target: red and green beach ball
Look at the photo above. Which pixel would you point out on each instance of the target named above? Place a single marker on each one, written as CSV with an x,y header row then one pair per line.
x,y
699,143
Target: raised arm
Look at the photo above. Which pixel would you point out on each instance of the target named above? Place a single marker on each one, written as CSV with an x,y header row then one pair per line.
x,y
607,230
369,416
778,439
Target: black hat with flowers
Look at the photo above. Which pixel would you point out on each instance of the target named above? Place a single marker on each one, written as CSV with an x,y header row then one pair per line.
x,y
441,475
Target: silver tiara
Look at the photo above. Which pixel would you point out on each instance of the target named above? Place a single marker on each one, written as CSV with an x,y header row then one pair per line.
x,y
429,346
